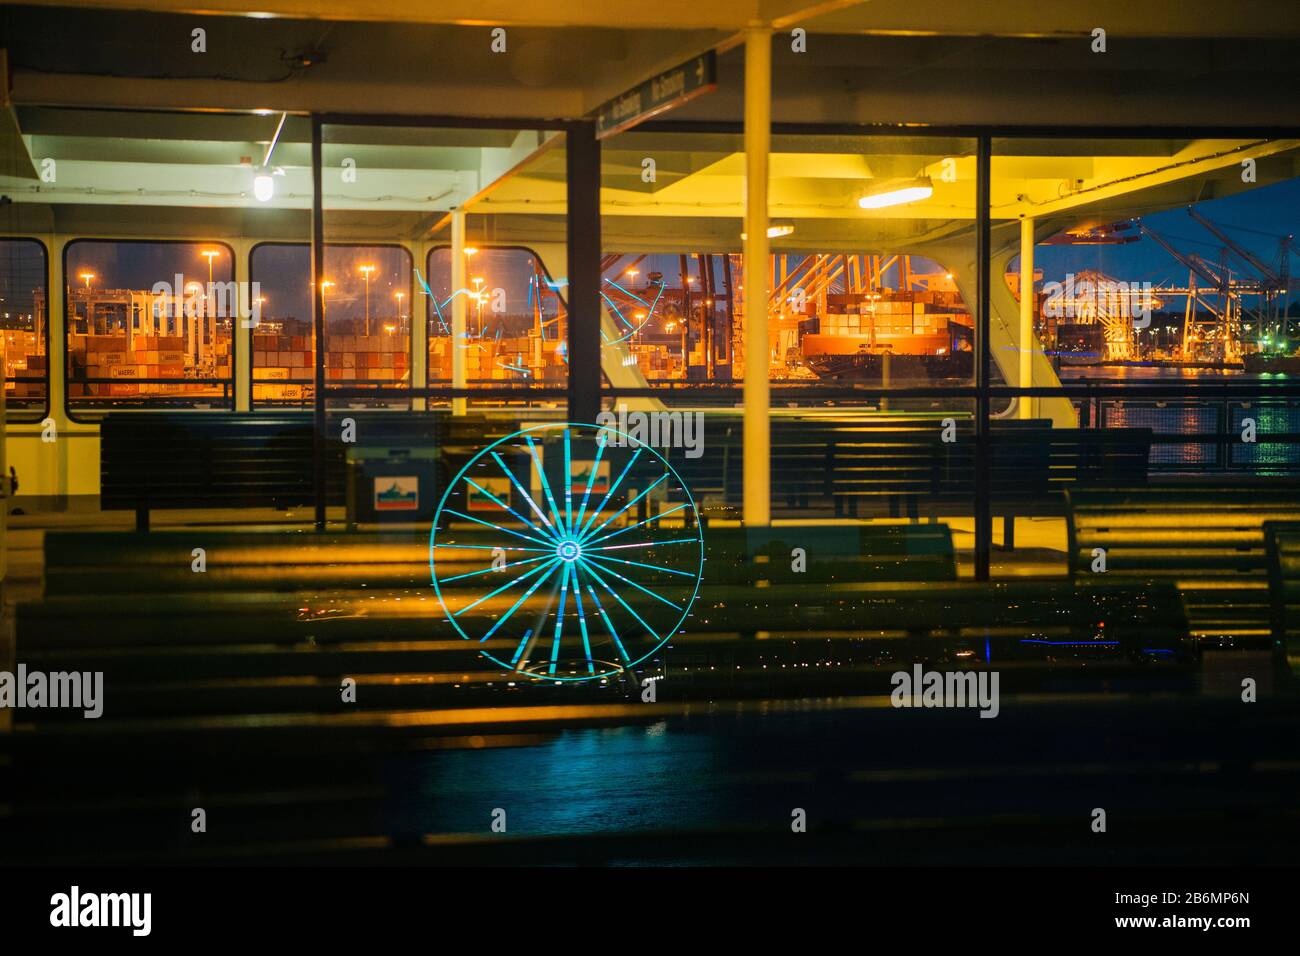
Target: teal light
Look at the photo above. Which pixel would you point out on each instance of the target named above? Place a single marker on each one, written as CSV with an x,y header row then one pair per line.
x,y
610,594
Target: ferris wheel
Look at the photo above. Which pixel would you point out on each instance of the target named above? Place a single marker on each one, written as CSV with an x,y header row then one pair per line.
x,y
567,552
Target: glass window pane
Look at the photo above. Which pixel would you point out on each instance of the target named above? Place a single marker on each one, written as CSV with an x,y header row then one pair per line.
x,y
24,298
871,266
516,316
497,197
137,339
367,320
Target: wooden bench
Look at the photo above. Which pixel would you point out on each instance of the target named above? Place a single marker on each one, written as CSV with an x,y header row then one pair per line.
x,y
153,460
186,654
279,617
872,467
162,562
903,468
1208,540
169,460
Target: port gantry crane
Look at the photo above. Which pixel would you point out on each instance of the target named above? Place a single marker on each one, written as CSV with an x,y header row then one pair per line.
x,y
1226,322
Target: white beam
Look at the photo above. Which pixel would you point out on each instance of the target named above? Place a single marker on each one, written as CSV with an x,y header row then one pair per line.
x,y
459,303
757,391
1026,378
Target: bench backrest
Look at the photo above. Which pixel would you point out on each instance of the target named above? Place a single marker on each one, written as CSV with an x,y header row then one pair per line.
x,y
216,459
179,460
818,460
829,554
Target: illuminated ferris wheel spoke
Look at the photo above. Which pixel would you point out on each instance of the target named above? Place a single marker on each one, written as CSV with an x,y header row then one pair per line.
x,y
582,622
546,485
625,291
658,296
617,311
639,564
490,570
539,624
494,527
600,610
492,547
619,598
561,566
520,649
627,507
523,491
627,580
591,480
527,594
559,617
587,544
497,501
568,483
639,544
505,587
612,488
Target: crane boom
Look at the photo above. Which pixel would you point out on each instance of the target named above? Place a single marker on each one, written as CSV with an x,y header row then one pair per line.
x,y
1191,262
1243,253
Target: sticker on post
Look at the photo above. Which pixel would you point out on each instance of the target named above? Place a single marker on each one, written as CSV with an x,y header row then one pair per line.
x,y
397,493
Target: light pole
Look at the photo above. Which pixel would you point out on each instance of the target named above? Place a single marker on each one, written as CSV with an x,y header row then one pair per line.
x,y
87,277
325,286
211,254
366,272
399,296
478,297
191,323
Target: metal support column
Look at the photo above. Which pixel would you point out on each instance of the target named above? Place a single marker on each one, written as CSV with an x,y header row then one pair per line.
x,y
418,330
318,321
983,364
583,346
757,390
1027,341
459,307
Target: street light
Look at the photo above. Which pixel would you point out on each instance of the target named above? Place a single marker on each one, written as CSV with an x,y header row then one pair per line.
x,y
325,286
478,297
87,277
366,272
211,254
399,296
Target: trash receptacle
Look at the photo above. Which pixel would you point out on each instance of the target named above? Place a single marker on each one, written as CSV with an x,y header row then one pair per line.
x,y
391,485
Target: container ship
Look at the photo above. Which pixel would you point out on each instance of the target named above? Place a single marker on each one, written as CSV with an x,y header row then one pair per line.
x,y
890,337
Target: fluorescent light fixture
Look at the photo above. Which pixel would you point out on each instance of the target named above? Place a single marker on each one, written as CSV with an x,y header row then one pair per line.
x,y
774,231
263,186
897,193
